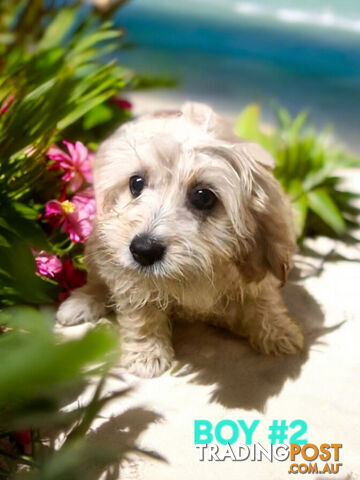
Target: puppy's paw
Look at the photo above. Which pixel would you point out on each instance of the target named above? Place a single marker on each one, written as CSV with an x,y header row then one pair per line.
x,y
79,308
284,338
147,364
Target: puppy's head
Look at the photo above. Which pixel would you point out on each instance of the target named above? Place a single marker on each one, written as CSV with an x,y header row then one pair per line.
x,y
177,194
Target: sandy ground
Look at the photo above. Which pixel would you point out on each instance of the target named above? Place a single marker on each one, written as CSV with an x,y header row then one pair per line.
x,y
217,376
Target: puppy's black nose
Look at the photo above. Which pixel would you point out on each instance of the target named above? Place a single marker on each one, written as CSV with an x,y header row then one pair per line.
x,y
147,250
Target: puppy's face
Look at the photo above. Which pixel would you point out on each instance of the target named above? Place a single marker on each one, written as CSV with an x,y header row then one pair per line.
x,y
174,199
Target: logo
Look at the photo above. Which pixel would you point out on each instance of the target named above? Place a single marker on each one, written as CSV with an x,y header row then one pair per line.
x,y
230,440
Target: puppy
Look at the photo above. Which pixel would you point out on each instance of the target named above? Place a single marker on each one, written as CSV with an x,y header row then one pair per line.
x,y
190,223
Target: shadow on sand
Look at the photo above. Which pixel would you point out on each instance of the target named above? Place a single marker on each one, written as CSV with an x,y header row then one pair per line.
x,y
243,378
116,439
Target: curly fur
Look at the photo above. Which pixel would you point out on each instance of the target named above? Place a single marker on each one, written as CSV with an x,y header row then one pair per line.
x,y
225,268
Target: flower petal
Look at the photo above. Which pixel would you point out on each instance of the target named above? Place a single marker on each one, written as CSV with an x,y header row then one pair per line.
x,y
47,264
53,207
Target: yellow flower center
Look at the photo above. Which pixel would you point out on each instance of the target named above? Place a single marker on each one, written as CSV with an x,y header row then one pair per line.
x,y
67,206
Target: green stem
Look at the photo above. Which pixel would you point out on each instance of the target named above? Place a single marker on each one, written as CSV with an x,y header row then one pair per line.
x,y
64,251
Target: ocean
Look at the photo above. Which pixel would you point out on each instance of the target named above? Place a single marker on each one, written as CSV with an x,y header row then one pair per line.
x,y
299,54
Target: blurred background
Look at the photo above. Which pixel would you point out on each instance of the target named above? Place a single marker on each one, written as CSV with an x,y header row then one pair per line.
x,y
303,55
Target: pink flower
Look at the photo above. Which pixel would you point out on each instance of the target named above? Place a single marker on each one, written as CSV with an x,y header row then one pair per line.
x,y
76,163
121,103
6,104
71,278
66,274
75,216
47,265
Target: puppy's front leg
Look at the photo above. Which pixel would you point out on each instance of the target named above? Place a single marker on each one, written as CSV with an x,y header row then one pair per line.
x,y
268,326
85,304
145,341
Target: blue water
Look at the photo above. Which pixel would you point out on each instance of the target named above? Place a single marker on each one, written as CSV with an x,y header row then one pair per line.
x,y
230,53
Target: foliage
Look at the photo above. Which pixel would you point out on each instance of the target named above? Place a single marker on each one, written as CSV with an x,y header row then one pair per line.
x,y
309,167
43,378
54,84
59,80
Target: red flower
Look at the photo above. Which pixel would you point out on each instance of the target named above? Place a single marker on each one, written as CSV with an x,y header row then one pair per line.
x,y
70,279
121,103
23,438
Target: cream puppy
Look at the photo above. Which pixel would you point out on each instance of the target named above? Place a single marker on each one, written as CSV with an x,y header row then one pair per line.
x,y
190,223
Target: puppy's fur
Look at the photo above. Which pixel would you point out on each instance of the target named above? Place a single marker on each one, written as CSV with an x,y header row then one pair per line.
x,y
225,266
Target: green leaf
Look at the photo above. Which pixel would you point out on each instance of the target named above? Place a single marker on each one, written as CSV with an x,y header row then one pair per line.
x,y
25,211
283,117
309,168
4,242
4,224
247,123
42,361
82,109
322,204
27,319
58,28
295,188
40,91
300,206
25,285
5,274
97,116
97,37
28,230
315,178
298,124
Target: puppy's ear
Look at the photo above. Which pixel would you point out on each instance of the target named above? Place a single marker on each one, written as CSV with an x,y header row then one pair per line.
x,y
257,154
272,243
199,113
204,117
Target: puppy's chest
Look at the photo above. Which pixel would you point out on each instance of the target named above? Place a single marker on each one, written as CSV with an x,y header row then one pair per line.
x,y
198,299
204,299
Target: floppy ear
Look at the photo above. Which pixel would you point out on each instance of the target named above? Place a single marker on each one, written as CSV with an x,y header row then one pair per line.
x,y
200,114
255,153
272,244
204,117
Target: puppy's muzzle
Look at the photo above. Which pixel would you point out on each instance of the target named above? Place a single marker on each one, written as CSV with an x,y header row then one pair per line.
x,y
147,250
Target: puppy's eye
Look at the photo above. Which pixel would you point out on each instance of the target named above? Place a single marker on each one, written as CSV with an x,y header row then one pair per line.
x,y
136,185
202,199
